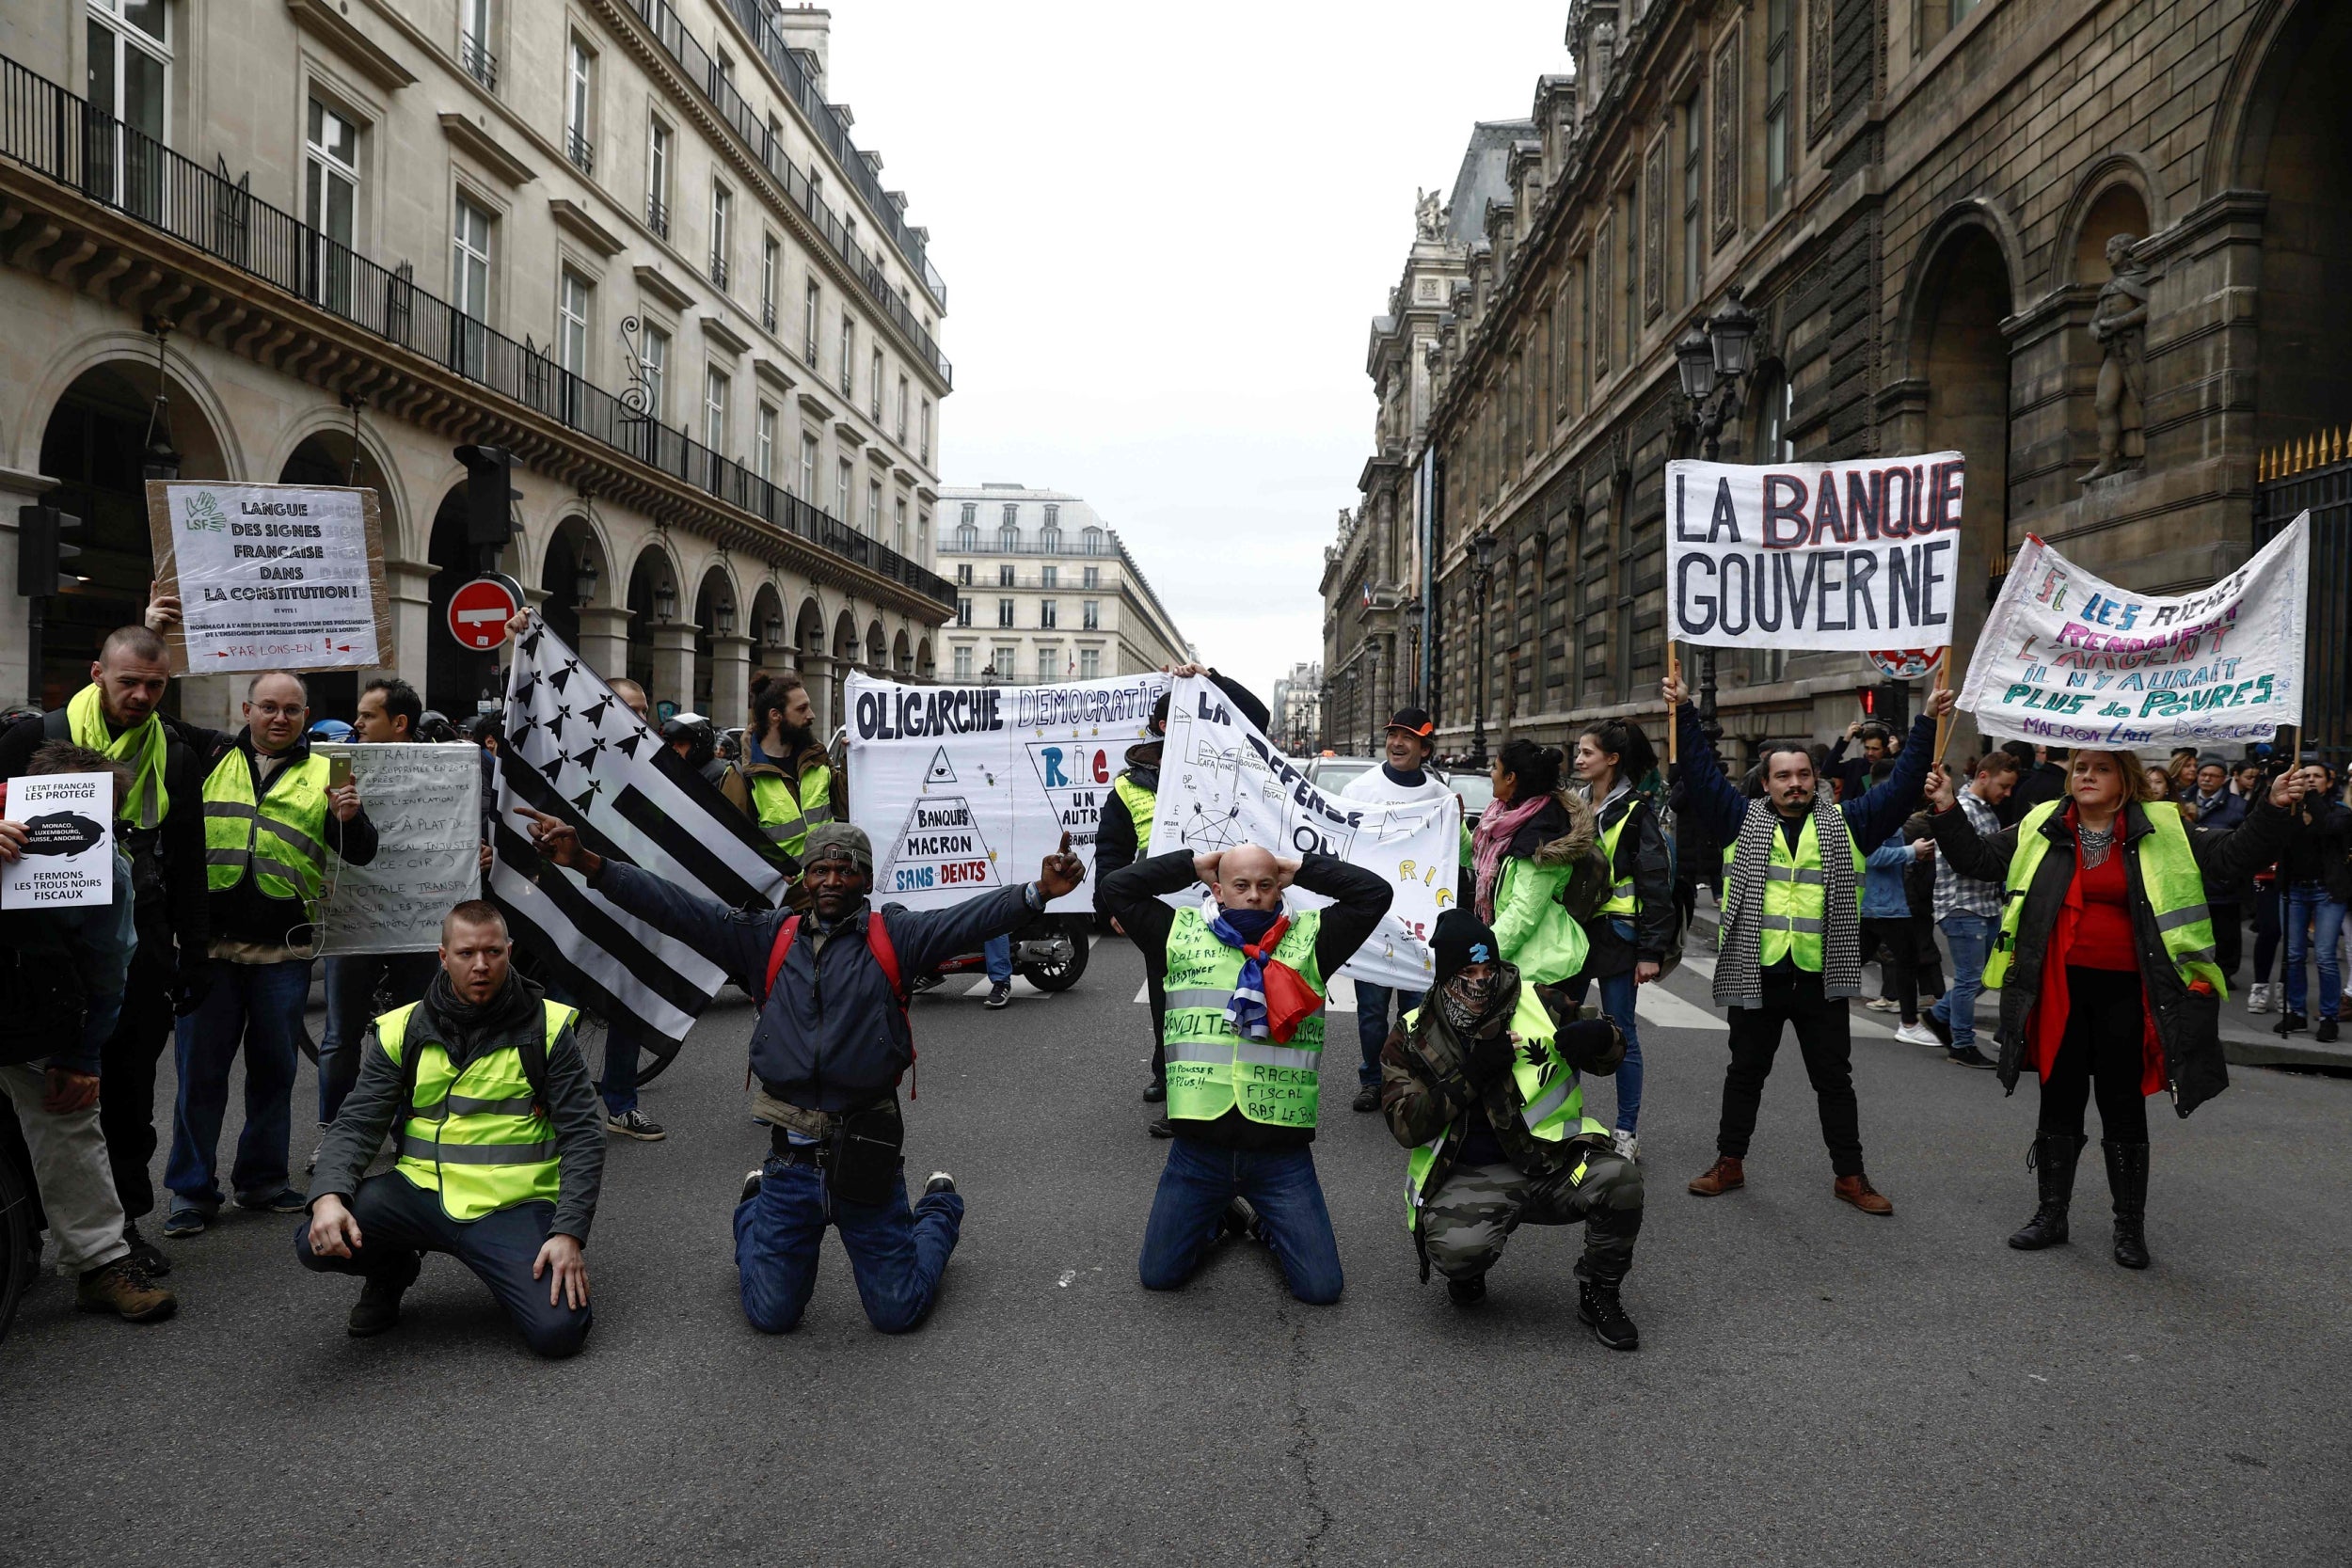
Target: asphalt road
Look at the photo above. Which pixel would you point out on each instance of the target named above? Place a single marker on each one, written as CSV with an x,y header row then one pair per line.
x,y
1814,1385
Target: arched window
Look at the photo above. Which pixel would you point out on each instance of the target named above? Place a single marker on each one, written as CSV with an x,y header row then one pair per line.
x,y
967,538
1008,537
1094,540
1776,401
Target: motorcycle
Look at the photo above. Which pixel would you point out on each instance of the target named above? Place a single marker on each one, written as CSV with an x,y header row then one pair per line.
x,y
1050,952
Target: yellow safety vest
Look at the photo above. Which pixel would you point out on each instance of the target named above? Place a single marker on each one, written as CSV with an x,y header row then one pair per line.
x,y
1793,906
2168,872
1621,899
1211,1067
279,839
1140,804
479,1137
786,816
1551,1098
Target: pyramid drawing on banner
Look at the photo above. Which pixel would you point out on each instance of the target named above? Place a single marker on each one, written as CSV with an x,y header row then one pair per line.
x,y
941,770
939,846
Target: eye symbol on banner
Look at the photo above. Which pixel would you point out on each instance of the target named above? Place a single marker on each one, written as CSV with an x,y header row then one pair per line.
x,y
942,771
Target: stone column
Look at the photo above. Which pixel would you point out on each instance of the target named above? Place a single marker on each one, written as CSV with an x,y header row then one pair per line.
x,y
673,667
17,488
730,680
604,640
817,674
409,586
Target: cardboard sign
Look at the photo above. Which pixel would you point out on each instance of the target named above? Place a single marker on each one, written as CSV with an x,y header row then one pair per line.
x,y
271,576
426,804
69,857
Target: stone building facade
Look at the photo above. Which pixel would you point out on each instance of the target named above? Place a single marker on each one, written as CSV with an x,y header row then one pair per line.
x,y
1046,591
1297,709
630,243
1927,204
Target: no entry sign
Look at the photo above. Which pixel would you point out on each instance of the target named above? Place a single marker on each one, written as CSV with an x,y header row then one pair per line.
x,y
478,612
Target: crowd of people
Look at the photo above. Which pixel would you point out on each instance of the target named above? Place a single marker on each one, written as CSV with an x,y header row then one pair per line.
x,y
2099,895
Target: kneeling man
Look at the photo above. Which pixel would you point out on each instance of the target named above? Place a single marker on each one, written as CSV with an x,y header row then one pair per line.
x,y
500,1140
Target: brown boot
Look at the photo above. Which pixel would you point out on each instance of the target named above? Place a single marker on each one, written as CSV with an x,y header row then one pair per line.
x,y
1857,1191
1720,1177
123,1288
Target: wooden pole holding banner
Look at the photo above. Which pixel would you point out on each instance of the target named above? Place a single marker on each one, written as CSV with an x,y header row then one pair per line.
x,y
1674,730
1944,720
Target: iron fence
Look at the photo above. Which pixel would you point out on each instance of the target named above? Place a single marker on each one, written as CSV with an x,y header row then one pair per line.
x,y
65,138
2316,475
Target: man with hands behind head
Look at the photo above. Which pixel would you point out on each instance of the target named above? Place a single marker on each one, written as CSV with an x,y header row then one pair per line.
x,y
830,1045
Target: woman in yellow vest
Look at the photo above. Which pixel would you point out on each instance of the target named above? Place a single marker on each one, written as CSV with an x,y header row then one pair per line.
x,y
1485,1090
1627,938
2105,965
1528,844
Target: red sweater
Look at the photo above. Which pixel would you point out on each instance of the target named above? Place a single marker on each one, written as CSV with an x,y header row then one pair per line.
x,y
2094,931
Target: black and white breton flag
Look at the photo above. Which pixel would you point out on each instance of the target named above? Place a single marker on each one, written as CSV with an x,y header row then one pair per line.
x,y
574,750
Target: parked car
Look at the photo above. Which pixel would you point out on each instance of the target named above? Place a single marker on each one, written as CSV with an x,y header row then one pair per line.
x,y
1331,774
1476,789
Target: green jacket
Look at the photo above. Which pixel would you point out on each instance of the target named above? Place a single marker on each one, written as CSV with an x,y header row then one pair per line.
x,y
1535,931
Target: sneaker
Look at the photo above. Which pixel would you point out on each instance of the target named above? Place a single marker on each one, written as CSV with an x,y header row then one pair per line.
x,y
284,1201
1240,1220
1628,1147
1367,1097
940,1182
751,1186
633,1123
926,982
999,994
1163,1128
1155,1091
1968,1055
2258,997
2293,1023
378,1307
2326,1034
1917,1034
1467,1292
1884,1005
186,1220
1936,1026
146,1254
125,1290
1603,1311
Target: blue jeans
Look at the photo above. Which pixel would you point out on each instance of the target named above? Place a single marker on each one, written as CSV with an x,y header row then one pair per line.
x,y
1618,996
1971,938
2312,916
259,1007
1188,1210
621,1051
896,1254
997,951
1372,1024
351,985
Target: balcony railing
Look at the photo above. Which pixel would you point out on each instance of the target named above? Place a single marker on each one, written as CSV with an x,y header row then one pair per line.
x,y
64,138
700,69
2315,473
657,216
718,272
767,315
479,62
577,147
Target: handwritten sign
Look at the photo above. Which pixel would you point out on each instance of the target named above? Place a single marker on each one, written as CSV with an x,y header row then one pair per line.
x,y
1861,556
426,804
2069,658
271,576
68,853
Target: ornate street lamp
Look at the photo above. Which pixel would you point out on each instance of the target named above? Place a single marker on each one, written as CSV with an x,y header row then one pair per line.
x,y
722,618
664,601
584,582
1482,580
1713,362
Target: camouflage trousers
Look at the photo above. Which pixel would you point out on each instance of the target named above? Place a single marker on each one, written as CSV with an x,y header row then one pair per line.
x,y
1466,1221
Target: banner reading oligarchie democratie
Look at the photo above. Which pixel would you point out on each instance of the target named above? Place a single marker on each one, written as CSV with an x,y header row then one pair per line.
x,y
1854,556
1222,784
965,788
2068,659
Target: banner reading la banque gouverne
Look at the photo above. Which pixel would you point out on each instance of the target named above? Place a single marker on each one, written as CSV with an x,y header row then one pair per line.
x,y
1222,784
2069,658
1857,555
965,788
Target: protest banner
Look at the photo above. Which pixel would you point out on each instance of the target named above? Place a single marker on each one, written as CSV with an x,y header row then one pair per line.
x,y
68,853
426,804
1859,556
2068,659
271,576
963,788
1223,783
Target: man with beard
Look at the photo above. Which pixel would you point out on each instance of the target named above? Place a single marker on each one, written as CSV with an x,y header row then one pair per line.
x,y
793,784
1124,831
1485,1090
500,1150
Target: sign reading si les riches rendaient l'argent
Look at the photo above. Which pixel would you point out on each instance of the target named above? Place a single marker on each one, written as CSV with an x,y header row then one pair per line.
x,y
1856,556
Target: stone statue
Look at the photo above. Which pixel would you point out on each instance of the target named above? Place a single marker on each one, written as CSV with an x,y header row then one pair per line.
x,y
1428,217
2119,324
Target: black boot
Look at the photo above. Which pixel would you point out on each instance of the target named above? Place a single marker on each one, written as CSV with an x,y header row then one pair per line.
x,y
1603,1312
2052,1157
2127,1178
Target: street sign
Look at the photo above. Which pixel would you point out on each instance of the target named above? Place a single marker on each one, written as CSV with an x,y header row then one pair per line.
x,y
1905,664
478,612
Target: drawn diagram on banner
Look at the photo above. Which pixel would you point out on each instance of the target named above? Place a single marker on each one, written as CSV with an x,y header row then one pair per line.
x,y
940,847
1207,832
1222,778
1076,778
942,771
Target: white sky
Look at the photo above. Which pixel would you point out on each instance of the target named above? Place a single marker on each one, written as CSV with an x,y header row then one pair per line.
x,y
1164,234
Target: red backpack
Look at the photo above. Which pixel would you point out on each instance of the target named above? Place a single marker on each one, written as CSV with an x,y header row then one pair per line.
x,y
877,943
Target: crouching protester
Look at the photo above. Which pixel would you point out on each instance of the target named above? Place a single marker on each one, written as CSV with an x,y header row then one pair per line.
x,y
1487,1093
61,981
500,1140
830,1045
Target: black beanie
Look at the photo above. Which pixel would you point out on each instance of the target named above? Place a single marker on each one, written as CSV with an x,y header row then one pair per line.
x,y
1462,938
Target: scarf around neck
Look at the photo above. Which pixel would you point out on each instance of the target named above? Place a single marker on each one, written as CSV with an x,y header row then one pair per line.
x,y
1257,933
1738,965
1489,844
141,746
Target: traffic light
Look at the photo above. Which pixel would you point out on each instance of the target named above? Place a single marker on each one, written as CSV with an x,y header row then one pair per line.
x,y
490,495
1888,703
46,540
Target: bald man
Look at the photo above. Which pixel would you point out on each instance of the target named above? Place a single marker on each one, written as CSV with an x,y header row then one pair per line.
x,y
1246,977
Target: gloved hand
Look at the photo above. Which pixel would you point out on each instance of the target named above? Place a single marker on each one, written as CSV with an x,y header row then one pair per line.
x,y
193,985
1592,1046
1489,1058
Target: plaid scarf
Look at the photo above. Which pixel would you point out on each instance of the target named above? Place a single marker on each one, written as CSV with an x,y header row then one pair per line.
x,y
1257,933
1739,967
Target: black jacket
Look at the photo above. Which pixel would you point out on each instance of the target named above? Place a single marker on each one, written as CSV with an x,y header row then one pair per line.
x,y
2315,848
1640,855
2043,781
167,864
244,912
2187,1023
1359,901
1116,842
